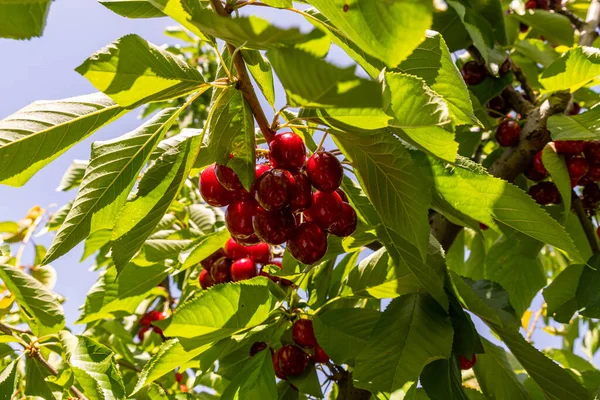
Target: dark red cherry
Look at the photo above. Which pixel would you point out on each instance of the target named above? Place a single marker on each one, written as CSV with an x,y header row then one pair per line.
x,y
505,67
545,193
221,271
309,243
538,163
342,195
346,225
212,191
178,377
483,227
234,250
578,167
326,209
257,347
142,332
287,151
246,240
324,171
576,109
523,27
543,4
497,107
304,334
301,193
591,192
569,147
260,253
243,269
205,279
238,218
320,356
273,227
293,360
531,5
152,316
273,189
260,170
473,73
228,178
592,151
508,133
534,175
593,174
277,365
465,363
209,261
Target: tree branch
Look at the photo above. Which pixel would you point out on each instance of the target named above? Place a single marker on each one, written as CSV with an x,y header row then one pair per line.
x,y
347,391
589,33
575,20
38,356
586,223
523,81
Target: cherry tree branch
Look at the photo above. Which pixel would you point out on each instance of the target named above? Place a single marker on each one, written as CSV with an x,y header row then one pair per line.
x,y
38,356
586,223
589,31
347,391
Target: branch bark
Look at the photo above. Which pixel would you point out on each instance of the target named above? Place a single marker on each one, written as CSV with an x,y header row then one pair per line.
x,y
347,391
38,356
589,33
586,223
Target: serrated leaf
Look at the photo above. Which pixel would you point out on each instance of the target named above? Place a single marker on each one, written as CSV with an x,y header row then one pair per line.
x,y
561,294
255,381
537,50
569,359
479,29
37,302
133,8
204,248
57,218
113,169
362,118
451,27
575,69
588,298
23,19
262,72
36,383
584,126
73,175
62,122
163,249
554,27
8,380
442,380
413,331
46,275
557,169
132,71
205,217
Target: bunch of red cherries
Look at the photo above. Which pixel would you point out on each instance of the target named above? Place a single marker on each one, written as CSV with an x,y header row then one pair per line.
x,y
146,323
281,206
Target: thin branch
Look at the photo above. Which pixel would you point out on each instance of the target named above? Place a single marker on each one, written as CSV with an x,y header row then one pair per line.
x,y
575,20
588,32
586,223
347,391
537,317
523,81
38,356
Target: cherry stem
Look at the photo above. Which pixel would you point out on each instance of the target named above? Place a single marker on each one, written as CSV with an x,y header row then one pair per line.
x,y
586,223
322,141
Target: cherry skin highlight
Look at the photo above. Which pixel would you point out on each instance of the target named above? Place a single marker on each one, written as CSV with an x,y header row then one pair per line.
x,y
508,133
243,269
260,253
309,243
293,360
211,190
277,365
220,271
246,240
210,260
238,218
538,163
324,171
287,151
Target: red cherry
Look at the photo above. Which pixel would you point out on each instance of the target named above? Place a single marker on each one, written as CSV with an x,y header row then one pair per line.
x,y
243,269
221,271
320,356
260,253
257,347
346,225
228,178
301,193
531,5
505,67
342,195
273,189
545,193
277,365
538,163
591,192
211,190
273,227
508,133
287,151
497,107
234,250
473,73
326,209
246,241
534,175
293,360
569,147
178,377
465,363
309,243
483,227
260,170
324,171
575,109
594,173
142,332
238,218
210,260
578,167
592,151
152,316
205,279
304,334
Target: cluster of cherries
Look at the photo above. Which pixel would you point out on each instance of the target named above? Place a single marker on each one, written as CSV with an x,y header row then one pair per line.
x,y
281,206
583,164
474,73
293,359
146,323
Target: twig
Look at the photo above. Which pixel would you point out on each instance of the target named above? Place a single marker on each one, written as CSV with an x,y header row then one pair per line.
x,y
575,20
588,31
347,391
586,223
523,81
531,329
38,356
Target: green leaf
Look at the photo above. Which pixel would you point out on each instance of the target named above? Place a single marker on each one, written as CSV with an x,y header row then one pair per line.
x,y
113,169
132,71
588,297
569,360
64,123
95,242
73,175
575,69
205,217
387,174
389,31
8,380
157,189
36,301
94,367
111,296
554,27
441,380
255,381
23,19
584,126
204,248
362,118
496,376
46,275
476,25
231,131
279,3
308,382
433,62
36,383
412,332
557,168
133,8
220,312
451,27
262,72
182,11
561,294
537,50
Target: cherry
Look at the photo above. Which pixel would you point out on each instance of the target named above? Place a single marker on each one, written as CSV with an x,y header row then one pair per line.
x,y
324,171
497,107
273,227
301,193
594,173
538,163
205,279
591,192
220,271
326,209
523,27
260,170
465,363
228,178
320,356
545,193
274,188
152,316
531,5
534,175
178,377
483,227
346,225
473,73
234,250
592,151
342,195
243,269
304,334
569,147
260,253
211,190
210,260
578,167
575,109
142,332
505,67
287,151
309,243
292,360
543,4
246,240
257,347
508,133
238,218
277,365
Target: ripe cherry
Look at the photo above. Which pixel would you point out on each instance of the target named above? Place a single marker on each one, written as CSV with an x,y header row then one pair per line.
x,y
591,192
228,178
273,189
531,5
304,334
320,356
324,171
260,253
238,218
178,377
346,225
569,147
301,193
465,363
592,151
538,163
260,170
575,109
234,250
505,67
342,195
594,173
473,73
142,332
205,279
257,347
543,4
243,269
210,260
273,227
277,365
326,209
152,316
578,167
287,151
212,191
483,227
534,175
545,193
246,240
497,107
293,360
309,243
221,271
508,133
